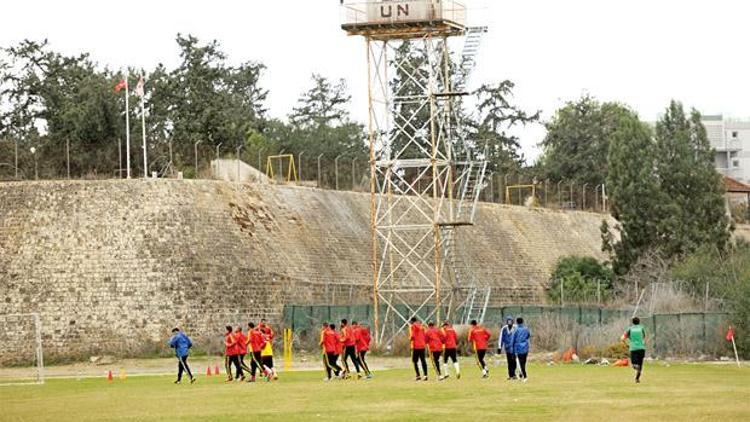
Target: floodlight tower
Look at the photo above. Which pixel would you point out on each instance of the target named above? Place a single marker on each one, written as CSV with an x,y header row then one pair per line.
x,y
424,176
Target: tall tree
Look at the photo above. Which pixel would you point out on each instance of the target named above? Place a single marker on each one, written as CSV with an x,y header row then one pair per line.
x,y
664,191
695,214
320,124
633,191
577,141
323,105
56,101
212,101
491,126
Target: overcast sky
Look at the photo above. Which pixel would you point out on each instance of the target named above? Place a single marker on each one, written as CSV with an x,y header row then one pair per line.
x,y
640,52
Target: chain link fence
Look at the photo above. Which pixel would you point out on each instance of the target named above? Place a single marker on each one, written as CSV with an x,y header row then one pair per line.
x,y
591,330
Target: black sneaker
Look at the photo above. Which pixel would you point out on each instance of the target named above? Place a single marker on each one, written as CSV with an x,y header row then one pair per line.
x,y
178,382
192,380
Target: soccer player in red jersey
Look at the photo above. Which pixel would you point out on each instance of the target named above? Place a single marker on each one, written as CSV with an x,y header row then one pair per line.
x,y
241,350
435,341
231,352
362,337
451,344
329,341
418,344
478,338
255,343
350,347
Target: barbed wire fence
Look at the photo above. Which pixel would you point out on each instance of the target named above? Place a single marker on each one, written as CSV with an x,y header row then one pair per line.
x,y
21,161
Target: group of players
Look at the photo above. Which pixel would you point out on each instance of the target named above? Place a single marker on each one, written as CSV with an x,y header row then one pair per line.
x,y
351,343
258,343
443,343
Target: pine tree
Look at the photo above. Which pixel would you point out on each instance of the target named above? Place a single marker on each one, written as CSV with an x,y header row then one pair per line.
x,y
695,214
634,194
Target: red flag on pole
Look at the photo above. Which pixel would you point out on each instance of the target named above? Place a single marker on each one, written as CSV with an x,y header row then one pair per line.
x,y
121,85
730,334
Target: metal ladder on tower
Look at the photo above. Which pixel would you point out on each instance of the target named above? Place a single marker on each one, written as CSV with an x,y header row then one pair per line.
x,y
469,54
476,304
471,186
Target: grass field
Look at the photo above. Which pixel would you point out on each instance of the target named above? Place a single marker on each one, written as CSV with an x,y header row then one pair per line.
x,y
678,392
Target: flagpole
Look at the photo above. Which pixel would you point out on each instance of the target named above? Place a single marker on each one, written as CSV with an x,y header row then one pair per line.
x,y
127,124
143,126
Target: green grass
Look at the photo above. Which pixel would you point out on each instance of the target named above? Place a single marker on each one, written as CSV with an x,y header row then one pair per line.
x,y
678,392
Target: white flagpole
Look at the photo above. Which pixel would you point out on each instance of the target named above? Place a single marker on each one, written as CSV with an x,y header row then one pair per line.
x,y
736,356
127,125
143,126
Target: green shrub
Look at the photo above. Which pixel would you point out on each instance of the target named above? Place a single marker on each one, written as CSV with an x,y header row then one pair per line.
x,y
580,277
727,277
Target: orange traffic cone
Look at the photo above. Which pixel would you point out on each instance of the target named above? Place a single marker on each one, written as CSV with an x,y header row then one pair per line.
x,y
216,370
109,376
208,371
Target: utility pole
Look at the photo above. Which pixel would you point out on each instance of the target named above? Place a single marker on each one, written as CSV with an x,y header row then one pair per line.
x,y
196,157
16,152
318,178
239,147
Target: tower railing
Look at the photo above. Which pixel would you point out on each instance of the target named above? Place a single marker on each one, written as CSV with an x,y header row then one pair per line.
x,y
399,12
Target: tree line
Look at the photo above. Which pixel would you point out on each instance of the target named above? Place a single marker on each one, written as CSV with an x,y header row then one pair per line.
x,y
56,102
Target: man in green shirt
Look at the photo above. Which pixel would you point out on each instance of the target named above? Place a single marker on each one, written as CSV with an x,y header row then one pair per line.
x,y
635,336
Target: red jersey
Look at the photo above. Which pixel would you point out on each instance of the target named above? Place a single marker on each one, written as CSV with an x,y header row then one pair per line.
x,y
339,343
267,331
451,339
256,340
330,341
322,335
363,339
435,339
348,336
479,337
241,343
230,344
417,336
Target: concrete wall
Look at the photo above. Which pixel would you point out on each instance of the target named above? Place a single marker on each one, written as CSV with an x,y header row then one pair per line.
x,y
113,265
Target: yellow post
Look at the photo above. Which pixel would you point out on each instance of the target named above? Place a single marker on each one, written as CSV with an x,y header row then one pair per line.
x,y
287,349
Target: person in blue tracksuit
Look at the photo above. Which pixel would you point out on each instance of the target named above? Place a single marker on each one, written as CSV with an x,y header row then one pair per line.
x,y
504,344
520,342
181,344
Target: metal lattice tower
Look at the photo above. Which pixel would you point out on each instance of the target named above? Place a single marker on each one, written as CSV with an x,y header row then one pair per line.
x,y
425,178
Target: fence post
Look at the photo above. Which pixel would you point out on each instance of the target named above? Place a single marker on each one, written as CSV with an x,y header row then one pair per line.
x,y
653,322
703,315
354,172
318,177
293,309
336,169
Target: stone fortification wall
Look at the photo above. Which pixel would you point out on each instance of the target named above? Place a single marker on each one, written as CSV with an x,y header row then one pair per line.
x,y
113,265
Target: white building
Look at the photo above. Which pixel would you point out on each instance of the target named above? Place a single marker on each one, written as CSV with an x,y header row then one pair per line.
x,y
731,140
